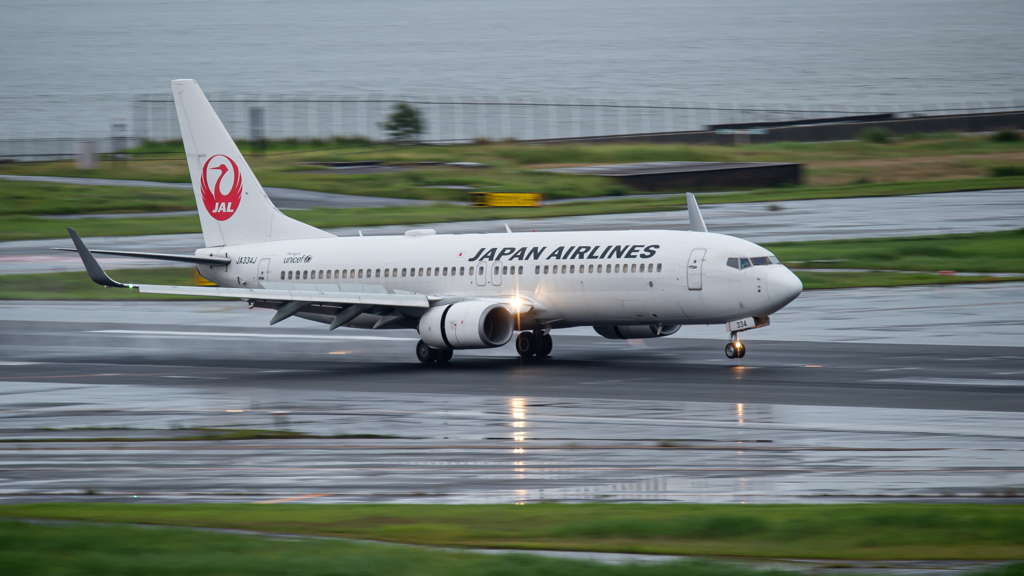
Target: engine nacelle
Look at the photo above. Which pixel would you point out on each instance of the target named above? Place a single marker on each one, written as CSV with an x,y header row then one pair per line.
x,y
471,324
631,332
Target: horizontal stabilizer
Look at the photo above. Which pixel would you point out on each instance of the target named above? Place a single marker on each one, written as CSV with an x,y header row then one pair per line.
x,y
210,261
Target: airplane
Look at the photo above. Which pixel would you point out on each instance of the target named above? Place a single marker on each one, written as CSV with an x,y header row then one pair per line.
x,y
459,291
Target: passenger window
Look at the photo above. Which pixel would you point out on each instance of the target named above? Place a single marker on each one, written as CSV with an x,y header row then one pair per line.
x,y
386,272
282,274
744,263
305,274
462,270
659,267
351,273
520,269
641,267
599,268
545,269
633,268
321,274
591,269
437,271
616,267
404,271
563,268
537,271
554,269
336,274
344,273
572,269
480,271
421,272
428,271
733,263
360,272
394,272
470,270
444,271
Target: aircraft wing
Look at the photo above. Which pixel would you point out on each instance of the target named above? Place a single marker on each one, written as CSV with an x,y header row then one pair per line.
x,y
310,296
99,276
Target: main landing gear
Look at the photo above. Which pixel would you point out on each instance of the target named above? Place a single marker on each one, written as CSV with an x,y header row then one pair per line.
x,y
536,344
735,348
426,354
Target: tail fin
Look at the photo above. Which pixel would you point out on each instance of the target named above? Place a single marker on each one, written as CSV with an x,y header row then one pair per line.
x,y
233,208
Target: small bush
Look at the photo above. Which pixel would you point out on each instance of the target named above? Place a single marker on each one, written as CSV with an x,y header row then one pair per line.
x,y
1006,136
876,135
405,123
1004,171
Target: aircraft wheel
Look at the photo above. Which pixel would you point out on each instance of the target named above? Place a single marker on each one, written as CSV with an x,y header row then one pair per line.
x,y
527,344
425,353
545,346
741,350
444,355
731,351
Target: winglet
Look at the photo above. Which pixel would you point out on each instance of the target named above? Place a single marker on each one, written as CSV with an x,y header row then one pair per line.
x,y
96,273
696,220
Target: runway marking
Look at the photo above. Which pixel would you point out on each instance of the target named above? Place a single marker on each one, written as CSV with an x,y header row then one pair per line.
x,y
954,381
179,334
294,498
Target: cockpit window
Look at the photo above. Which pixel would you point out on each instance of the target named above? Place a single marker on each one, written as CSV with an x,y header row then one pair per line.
x,y
733,263
773,259
744,263
760,261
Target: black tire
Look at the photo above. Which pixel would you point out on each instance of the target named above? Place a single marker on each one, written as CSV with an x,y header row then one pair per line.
x,y
730,351
527,344
425,353
742,350
444,355
546,344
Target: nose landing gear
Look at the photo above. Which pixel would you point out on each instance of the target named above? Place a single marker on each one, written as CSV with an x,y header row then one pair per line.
x,y
735,348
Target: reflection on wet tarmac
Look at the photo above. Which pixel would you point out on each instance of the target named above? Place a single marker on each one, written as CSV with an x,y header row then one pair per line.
x,y
75,439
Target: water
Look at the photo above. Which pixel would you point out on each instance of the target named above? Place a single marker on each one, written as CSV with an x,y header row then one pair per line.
x,y
71,68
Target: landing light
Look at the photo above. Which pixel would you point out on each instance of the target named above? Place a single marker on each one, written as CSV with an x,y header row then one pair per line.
x,y
516,302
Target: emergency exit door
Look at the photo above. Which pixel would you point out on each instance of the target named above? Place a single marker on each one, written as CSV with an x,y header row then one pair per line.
x,y
694,268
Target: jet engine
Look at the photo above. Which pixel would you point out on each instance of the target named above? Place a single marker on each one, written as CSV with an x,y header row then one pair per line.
x,y
470,324
640,331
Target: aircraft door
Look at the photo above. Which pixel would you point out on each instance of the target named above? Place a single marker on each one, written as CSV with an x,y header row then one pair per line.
x,y
496,273
481,274
262,276
695,268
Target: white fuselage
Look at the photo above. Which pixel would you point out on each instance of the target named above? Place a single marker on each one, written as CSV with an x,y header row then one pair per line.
x,y
573,278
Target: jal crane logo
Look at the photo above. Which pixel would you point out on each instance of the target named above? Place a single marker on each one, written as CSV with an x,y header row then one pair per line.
x,y
222,200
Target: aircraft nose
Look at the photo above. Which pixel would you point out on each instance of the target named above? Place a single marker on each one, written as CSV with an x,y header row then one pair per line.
x,y
783,286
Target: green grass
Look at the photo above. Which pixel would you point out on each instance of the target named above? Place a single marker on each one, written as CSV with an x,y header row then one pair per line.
x,y
980,252
835,280
78,286
69,550
840,531
38,198
29,228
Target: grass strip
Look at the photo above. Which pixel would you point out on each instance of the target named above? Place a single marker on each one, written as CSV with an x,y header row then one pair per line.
x,y
22,227
88,550
840,531
977,252
39,198
78,286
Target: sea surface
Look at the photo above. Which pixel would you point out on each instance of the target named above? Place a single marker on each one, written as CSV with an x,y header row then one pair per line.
x,y
71,68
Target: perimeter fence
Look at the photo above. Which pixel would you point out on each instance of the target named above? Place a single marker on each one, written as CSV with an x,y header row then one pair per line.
x,y
457,120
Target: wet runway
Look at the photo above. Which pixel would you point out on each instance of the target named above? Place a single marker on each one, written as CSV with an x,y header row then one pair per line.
x,y
834,402
926,214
